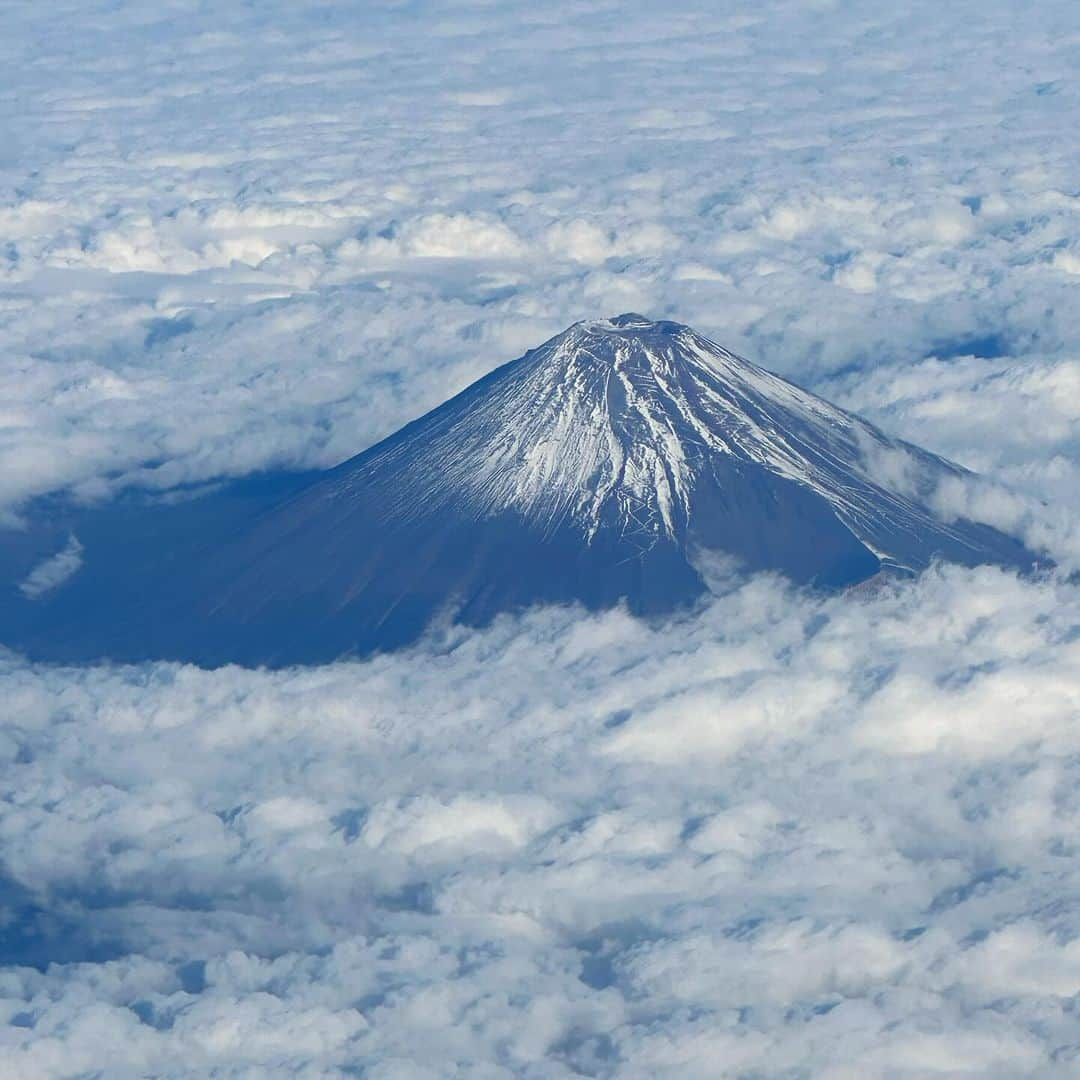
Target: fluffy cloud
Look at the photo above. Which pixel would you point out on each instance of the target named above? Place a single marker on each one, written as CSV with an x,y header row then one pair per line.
x,y
1016,422
783,835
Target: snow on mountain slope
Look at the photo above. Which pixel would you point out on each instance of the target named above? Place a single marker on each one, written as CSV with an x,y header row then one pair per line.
x,y
621,418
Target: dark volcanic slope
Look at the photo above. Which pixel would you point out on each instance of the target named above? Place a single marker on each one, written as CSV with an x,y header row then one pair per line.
x,y
601,467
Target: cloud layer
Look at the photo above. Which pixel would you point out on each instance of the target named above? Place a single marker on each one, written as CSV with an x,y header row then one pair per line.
x,y
782,837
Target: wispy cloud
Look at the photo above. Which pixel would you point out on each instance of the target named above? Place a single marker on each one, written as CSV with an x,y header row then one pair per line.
x,y
53,571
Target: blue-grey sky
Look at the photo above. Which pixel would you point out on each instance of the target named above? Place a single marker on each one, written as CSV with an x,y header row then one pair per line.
x,y
781,837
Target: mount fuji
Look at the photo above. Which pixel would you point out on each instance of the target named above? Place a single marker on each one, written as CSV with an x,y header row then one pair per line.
x,y
623,461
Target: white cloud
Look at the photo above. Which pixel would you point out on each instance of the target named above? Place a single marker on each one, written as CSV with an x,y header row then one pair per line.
x,y
775,830
53,571
450,236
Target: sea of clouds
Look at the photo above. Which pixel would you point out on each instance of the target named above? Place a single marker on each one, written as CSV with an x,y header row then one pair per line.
x,y
780,836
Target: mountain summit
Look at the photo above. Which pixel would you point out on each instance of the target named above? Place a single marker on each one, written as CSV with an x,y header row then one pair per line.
x,y
615,463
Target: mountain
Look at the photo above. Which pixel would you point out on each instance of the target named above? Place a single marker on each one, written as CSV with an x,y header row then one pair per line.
x,y
624,460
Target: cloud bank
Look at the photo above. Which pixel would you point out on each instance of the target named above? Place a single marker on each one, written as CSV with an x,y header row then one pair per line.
x,y
784,836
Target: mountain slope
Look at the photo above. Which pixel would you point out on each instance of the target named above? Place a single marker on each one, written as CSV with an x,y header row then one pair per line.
x,y
615,463
602,466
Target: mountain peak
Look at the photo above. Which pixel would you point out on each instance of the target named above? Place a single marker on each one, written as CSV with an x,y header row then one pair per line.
x,y
630,324
643,352
606,339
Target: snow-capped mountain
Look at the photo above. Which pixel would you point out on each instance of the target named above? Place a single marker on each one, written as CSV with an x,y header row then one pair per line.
x,y
623,423
608,464
619,462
